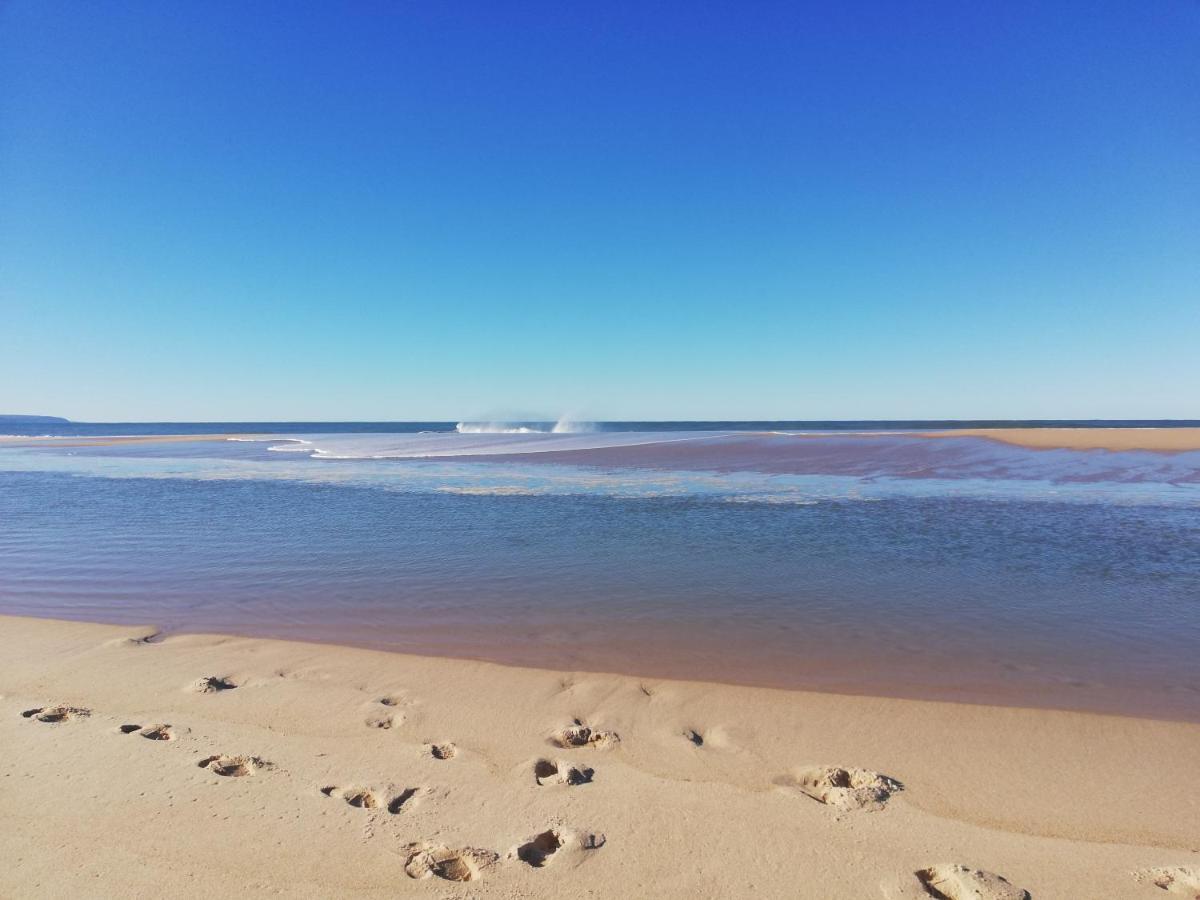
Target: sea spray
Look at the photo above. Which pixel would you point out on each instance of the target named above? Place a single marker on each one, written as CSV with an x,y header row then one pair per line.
x,y
562,426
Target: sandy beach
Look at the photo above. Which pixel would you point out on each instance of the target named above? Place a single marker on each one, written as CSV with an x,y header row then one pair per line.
x,y
1160,439
433,460
203,765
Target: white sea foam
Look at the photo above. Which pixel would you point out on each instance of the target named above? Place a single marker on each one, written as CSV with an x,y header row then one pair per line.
x,y
292,445
562,426
301,444
494,428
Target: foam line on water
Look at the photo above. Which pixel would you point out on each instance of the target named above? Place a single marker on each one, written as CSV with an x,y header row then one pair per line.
x,y
490,443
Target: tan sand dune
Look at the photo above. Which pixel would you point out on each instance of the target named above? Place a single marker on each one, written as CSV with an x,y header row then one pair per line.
x,y
119,778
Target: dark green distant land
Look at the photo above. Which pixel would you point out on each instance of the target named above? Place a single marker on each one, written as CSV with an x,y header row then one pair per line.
x,y
33,420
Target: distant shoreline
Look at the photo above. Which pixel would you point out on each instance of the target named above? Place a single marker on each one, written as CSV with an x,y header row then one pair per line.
x,y
1157,439
1174,437
49,427
9,419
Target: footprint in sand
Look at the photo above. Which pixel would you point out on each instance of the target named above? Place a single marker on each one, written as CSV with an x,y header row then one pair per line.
x,y
390,716
365,798
844,789
542,849
386,721
1172,879
233,766
150,732
401,800
439,861
212,684
580,735
714,737
552,771
443,751
53,715
952,882
359,798
155,637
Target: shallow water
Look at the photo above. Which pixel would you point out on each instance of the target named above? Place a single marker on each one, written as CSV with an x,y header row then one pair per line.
x,y
888,563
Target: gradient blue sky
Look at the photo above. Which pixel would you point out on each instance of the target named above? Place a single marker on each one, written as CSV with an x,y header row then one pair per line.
x,y
744,210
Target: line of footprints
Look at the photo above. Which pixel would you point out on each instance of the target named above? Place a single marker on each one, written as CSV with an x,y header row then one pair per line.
x,y
424,859
843,789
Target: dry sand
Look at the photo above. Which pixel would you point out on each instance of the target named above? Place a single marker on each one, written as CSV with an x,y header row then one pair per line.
x,y
202,766
1161,439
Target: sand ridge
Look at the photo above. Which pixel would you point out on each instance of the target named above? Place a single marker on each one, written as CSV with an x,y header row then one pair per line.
x,y
124,780
1162,440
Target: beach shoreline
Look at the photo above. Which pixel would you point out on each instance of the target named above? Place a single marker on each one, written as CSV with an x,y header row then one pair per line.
x,y
659,799
924,679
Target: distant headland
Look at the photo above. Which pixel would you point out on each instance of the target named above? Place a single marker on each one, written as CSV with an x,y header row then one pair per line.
x,y
34,420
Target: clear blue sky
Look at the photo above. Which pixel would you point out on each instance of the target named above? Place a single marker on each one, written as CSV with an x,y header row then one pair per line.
x,y
615,210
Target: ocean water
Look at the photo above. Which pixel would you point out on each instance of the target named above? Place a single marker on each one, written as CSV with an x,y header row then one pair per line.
x,y
857,557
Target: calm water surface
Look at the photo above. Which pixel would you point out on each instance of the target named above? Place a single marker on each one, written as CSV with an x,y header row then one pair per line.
x,y
888,562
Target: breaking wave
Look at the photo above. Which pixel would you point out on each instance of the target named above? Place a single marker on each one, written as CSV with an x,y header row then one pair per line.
x,y
283,445
562,426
